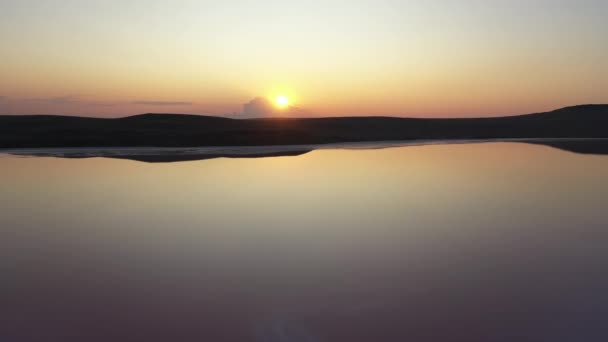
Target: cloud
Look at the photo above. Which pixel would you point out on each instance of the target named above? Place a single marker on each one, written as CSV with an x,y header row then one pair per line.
x,y
259,107
68,100
101,103
57,100
163,103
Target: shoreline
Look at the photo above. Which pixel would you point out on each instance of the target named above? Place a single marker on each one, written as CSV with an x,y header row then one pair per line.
x,y
160,154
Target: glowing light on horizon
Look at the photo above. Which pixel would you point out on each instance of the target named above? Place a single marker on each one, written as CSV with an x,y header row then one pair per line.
x,y
282,101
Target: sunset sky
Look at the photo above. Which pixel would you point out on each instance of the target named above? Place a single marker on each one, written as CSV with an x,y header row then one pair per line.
x,y
408,58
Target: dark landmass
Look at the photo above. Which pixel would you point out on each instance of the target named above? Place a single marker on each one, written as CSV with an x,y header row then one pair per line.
x,y
175,130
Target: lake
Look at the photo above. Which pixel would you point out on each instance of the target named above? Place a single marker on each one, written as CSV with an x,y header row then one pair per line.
x,y
502,241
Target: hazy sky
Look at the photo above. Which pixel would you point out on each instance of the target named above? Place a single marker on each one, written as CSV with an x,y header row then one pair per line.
x,y
410,58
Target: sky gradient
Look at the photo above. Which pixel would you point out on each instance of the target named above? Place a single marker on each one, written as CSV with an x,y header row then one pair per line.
x,y
404,58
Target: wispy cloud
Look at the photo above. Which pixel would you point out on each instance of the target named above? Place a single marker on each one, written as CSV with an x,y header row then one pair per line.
x,y
57,100
102,103
79,101
68,100
163,103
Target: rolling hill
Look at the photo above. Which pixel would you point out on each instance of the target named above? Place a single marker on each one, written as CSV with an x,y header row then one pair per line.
x,y
176,130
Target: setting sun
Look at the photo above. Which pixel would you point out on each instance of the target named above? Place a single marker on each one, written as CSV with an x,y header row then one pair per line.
x,y
282,101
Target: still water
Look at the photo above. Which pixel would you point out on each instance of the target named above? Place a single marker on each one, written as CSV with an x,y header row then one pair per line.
x,y
467,242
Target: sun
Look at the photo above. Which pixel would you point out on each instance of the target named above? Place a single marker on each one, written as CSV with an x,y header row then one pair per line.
x,y
282,101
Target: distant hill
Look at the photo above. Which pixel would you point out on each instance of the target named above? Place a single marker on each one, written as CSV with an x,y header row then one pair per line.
x,y
582,112
176,130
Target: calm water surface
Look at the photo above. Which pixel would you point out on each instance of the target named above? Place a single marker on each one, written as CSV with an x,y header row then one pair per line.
x,y
471,242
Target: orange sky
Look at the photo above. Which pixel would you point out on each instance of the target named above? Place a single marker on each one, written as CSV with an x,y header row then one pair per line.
x,y
427,58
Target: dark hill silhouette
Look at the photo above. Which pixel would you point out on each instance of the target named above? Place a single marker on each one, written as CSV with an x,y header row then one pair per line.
x,y
175,130
582,112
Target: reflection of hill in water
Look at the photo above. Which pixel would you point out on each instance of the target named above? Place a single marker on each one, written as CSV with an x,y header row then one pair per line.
x,y
193,157
598,147
582,146
160,157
